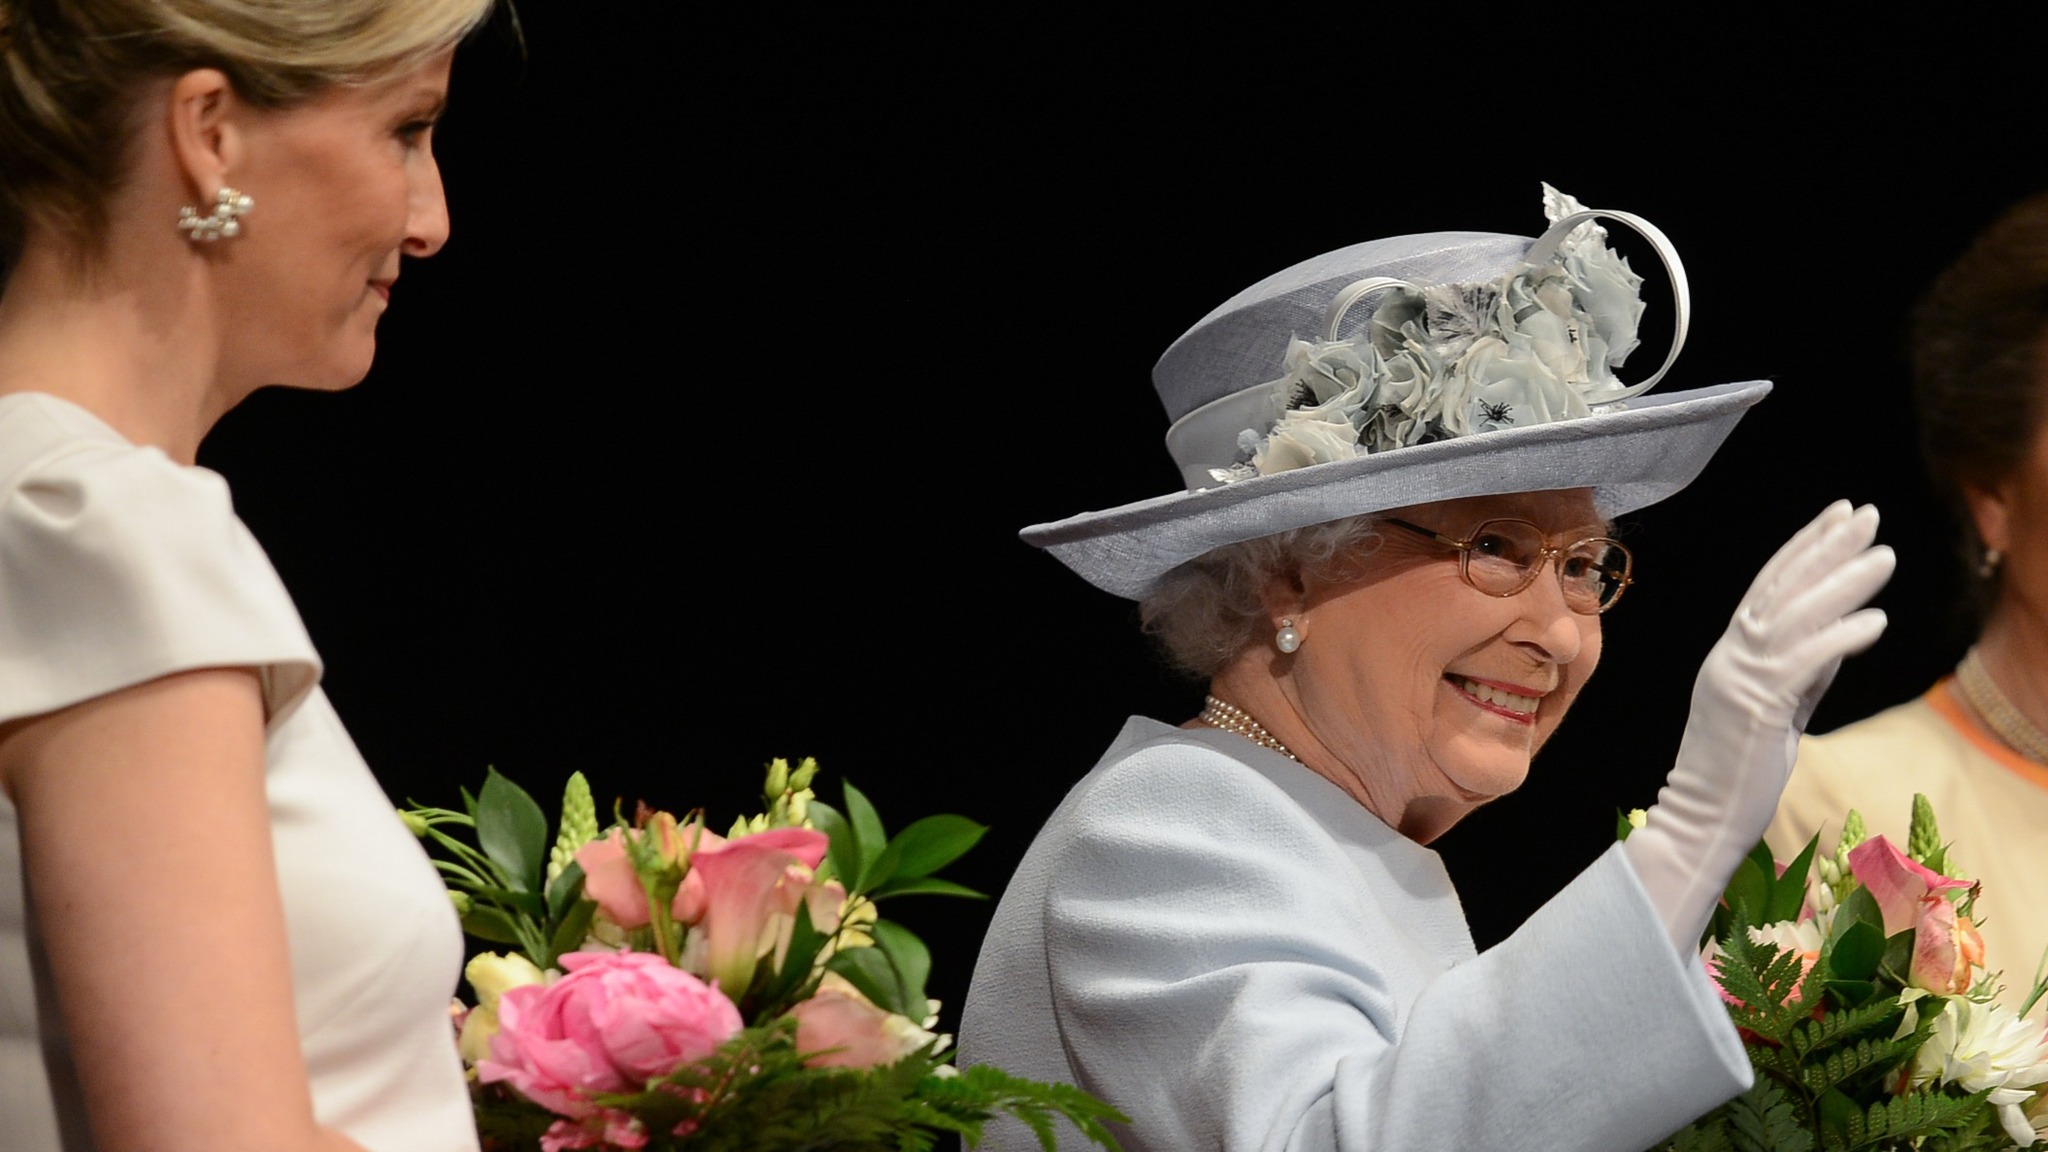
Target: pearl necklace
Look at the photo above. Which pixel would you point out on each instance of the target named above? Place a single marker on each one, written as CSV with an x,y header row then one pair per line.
x,y
1231,718
1999,714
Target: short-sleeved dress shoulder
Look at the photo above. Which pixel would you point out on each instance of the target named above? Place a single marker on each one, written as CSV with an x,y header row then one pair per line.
x,y
118,566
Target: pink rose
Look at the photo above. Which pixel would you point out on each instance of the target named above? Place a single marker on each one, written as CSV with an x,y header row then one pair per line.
x,y
610,879
1945,947
614,1022
839,1028
1896,882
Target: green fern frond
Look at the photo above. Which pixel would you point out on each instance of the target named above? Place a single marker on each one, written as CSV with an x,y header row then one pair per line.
x,y
1869,1055
1911,1117
1763,977
1816,1036
1694,1138
1764,1120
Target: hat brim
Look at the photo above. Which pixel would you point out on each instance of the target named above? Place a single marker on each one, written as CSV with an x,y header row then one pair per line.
x,y
1630,458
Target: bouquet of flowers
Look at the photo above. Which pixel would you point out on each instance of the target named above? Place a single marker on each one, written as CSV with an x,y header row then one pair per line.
x,y
669,987
1856,978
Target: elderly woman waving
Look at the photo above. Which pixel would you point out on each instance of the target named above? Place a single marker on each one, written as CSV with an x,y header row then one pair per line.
x,y
1392,563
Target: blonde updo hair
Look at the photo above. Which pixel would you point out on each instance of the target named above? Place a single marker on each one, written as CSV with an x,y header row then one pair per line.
x,y
71,70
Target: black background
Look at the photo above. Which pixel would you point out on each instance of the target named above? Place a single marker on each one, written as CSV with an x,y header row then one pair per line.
x,y
707,437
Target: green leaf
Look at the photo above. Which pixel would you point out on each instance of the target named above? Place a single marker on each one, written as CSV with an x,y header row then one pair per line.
x,y
570,930
805,942
869,970
487,923
512,832
1857,951
1749,891
1788,890
878,871
1898,957
936,841
1850,993
1859,907
929,886
1621,825
1760,855
912,963
844,849
564,890
523,902
866,823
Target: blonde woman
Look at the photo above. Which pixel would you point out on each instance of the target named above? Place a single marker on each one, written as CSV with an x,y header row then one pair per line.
x,y
214,934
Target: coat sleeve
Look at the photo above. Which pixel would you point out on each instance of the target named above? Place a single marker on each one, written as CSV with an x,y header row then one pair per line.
x,y
1233,976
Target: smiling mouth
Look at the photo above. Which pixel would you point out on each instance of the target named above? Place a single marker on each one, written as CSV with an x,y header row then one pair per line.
x,y
1495,699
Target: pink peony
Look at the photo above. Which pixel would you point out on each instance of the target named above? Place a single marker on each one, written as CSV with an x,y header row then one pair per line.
x,y
614,1022
1897,882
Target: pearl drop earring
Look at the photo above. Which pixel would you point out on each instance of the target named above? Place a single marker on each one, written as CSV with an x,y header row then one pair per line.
x,y
1288,638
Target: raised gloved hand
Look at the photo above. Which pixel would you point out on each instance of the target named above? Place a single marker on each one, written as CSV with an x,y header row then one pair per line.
x,y
1752,700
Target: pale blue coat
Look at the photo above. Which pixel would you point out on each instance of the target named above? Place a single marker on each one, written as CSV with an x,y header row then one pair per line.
x,y
1236,954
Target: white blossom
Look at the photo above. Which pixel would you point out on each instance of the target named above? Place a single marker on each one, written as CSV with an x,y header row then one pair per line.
x,y
1985,1047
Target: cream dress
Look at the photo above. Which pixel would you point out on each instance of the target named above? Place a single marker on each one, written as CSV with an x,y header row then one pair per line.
x,y
118,566
1990,802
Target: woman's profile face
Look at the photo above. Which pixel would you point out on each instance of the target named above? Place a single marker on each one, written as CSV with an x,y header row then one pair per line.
x,y
1434,694
343,186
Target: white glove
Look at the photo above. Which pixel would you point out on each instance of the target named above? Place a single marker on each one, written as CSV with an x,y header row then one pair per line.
x,y
1753,698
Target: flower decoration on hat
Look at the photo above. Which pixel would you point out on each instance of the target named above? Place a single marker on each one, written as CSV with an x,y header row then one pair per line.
x,y
1438,361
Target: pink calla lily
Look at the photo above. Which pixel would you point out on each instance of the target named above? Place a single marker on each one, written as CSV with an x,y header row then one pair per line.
x,y
750,887
1897,882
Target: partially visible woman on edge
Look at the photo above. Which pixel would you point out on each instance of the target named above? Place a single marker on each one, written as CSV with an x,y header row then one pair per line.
x,y
214,933
1976,742
1391,565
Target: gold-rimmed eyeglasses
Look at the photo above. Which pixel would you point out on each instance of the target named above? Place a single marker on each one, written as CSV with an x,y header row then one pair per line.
x,y
1502,557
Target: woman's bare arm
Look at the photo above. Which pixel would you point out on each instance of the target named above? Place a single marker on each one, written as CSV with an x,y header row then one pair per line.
x,y
146,843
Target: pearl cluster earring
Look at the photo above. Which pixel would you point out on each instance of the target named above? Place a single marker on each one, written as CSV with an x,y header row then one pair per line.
x,y
229,206
1288,638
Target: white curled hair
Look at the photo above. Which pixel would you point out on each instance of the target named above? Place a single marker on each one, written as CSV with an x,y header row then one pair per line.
x,y
1210,609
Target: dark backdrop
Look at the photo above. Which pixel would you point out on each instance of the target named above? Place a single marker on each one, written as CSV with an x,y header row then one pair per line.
x,y
707,437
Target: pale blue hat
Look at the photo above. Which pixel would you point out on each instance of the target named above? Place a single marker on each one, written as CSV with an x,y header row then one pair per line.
x,y
1223,387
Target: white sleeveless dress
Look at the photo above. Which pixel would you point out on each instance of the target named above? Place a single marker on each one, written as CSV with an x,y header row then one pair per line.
x,y
118,566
